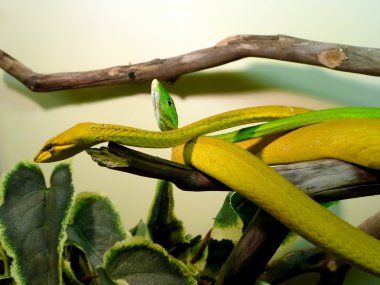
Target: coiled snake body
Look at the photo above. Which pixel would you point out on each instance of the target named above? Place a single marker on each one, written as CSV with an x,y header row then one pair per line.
x,y
248,175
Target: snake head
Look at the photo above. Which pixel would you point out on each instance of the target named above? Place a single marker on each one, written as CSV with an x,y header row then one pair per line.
x,y
66,144
53,152
164,108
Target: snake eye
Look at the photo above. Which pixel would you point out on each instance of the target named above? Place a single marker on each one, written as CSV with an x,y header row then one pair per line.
x,y
50,148
170,102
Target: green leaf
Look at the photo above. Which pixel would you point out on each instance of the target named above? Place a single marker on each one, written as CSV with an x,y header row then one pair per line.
x,y
243,207
227,224
164,227
139,262
94,226
78,262
197,255
68,274
106,280
139,230
5,263
226,231
218,252
33,220
6,280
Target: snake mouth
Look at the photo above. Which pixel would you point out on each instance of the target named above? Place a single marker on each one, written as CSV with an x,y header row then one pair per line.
x,y
51,153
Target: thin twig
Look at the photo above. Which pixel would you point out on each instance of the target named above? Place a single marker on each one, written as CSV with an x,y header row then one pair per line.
x,y
279,47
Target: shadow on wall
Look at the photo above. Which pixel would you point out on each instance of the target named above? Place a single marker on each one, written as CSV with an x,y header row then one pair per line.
x,y
307,80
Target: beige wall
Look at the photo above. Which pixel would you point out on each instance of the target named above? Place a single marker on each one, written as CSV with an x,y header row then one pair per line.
x,y
57,36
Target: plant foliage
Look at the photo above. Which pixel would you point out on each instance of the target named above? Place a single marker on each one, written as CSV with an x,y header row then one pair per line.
x,y
51,236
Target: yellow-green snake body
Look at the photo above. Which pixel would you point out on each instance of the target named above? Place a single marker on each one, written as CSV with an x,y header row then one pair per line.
x,y
355,141
242,172
85,135
249,176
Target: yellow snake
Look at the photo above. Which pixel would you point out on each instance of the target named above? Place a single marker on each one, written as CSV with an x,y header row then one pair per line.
x,y
248,175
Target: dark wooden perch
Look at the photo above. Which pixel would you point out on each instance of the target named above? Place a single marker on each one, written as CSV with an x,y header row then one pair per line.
x,y
259,242
332,270
279,47
324,180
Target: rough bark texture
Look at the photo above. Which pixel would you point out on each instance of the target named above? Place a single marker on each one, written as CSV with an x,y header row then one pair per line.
x,y
279,47
323,180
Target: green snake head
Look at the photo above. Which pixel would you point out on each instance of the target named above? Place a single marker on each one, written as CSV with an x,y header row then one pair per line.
x,y
164,108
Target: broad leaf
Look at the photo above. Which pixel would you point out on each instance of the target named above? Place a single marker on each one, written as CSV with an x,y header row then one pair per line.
x,y
227,224
140,262
94,226
225,233
164,227
33,220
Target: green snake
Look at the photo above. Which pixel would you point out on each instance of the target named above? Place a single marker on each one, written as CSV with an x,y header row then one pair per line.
x,y
164,107
244,172
162,224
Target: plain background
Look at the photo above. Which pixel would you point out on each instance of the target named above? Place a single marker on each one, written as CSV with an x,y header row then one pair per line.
x,y
60,36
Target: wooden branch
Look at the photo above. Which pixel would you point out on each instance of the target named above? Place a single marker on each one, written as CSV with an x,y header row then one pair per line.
x,y
332,271
260,240
314,177
279,47
120,158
